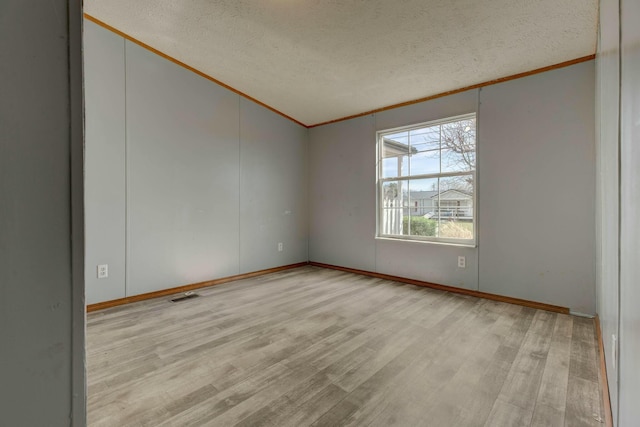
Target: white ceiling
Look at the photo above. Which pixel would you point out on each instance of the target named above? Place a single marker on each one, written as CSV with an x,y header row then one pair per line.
x,y
325,59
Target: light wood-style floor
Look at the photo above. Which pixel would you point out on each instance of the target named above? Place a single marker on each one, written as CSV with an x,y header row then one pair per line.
x,y
320,347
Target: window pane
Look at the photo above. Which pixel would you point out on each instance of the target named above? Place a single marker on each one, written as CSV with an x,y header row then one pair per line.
x,y
425,163
463,183
425,139
455,229
460,130
395,155
395,166
455,207
459,141
392,207
458,161
395,145
419,215
402,136
391,190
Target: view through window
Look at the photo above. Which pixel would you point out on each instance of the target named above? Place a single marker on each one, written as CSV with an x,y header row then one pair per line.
x,y
426,181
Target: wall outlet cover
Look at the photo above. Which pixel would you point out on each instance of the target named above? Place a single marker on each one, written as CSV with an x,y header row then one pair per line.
x,y
103,271
462,262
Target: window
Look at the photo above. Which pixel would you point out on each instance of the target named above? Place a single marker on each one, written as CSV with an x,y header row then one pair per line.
x,y
426,181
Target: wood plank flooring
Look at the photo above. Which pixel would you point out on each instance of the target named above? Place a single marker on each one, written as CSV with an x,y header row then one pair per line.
x,y
319,347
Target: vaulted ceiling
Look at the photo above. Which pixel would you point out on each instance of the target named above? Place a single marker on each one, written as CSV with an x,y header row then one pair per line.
x,y
320,60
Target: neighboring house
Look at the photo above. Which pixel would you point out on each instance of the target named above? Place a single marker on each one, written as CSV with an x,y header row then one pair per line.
x,y
449,204
454,204
420,203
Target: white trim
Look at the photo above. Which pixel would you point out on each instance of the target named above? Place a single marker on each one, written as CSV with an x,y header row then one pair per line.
x,y
427,124
427,176
417,239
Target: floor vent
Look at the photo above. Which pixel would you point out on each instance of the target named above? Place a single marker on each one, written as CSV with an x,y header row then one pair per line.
x,y
185,296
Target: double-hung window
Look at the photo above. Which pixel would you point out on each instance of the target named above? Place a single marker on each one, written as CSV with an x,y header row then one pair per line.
x,y
426,181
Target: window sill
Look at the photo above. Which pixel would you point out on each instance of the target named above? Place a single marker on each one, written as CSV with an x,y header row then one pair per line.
x,y
428,242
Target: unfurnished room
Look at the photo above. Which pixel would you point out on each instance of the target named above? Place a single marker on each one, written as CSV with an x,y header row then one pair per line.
x,y
330,213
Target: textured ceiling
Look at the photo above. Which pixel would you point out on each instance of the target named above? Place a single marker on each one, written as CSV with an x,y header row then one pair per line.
x,y
325,59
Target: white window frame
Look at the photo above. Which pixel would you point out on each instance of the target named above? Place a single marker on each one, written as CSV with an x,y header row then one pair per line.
x,y
380,181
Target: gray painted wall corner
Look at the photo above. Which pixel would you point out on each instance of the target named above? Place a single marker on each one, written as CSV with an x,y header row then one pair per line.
x,y
41,220
186,180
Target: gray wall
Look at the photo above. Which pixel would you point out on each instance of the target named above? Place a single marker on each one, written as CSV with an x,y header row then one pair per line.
x,y
342,218
608,192
182,175
629,374
200,182
104,162
41,243
618,214
524,250
537,188
273,189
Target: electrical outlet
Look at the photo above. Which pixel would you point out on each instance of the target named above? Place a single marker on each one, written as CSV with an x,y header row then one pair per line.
x,y
103,271
614,348
462,262
280,247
